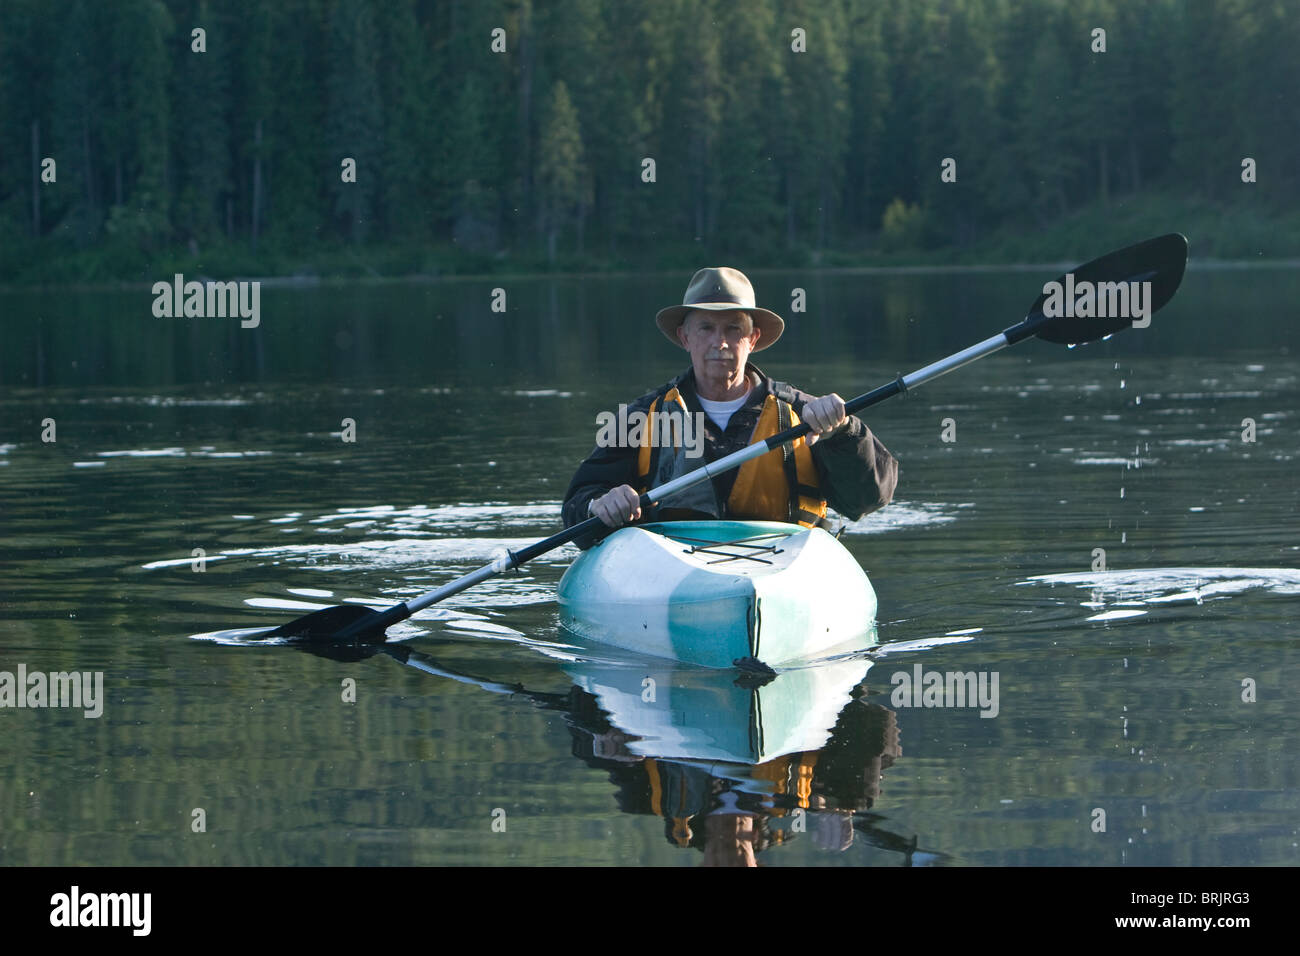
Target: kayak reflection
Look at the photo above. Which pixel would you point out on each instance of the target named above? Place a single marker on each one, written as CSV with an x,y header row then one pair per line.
x,y
821,787
691,713
732,763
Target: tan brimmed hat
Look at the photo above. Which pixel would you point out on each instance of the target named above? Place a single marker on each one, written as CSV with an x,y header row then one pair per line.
x,y
717,290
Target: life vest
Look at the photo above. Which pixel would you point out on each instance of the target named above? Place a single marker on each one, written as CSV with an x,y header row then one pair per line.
x,y
781,485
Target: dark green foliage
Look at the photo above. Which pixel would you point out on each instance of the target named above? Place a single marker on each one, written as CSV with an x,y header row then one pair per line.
x,y
468,157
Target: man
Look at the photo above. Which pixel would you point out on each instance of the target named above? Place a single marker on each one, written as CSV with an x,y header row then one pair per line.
x,y
840,464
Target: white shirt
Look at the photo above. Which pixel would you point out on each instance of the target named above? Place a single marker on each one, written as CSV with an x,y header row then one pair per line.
x,y
721,412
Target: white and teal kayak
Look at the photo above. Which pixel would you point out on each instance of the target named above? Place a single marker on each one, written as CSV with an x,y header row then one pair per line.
x,y
717,592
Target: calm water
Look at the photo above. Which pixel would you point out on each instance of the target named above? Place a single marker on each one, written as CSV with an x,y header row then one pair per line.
x,y
483,736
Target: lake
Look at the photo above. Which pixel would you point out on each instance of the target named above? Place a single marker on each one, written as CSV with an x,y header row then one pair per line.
x,y
198,483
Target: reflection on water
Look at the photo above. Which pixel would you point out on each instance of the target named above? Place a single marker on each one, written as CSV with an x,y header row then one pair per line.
x,y
731,765
199,485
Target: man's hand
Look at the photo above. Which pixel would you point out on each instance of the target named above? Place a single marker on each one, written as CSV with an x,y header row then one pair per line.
x,y
619,506
823,416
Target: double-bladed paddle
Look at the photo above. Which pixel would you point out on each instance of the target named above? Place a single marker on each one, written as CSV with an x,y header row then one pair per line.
x,y
1148,273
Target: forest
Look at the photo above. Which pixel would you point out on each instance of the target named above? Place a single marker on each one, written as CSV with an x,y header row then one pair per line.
x,y
391,137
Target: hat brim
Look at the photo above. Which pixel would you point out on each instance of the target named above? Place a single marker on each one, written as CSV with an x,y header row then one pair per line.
x,y
769,324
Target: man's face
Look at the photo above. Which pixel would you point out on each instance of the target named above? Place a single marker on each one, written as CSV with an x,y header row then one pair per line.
x,y
719,342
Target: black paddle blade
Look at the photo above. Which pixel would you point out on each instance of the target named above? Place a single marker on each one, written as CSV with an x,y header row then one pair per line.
x,y
1109,280
326,625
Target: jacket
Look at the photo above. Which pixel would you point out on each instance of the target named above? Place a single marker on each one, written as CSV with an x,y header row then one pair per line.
x,y
857,473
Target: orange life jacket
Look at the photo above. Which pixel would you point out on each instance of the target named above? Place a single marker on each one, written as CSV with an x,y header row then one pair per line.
x,y
781,485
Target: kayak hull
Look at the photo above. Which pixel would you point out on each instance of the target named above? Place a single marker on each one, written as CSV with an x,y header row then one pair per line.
x,y
716,592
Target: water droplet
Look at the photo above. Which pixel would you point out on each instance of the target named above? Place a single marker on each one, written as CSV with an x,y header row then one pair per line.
x,y
1121,492
1123,537
1138,400
1122,383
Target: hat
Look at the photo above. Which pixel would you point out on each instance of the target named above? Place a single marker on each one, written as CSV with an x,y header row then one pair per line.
x,y
717,290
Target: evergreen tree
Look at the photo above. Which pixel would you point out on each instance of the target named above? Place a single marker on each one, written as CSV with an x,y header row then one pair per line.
x,y
405,82
561,174
202,179
1046,152
758,149
867,154
747,171
638,49
815,117
694,101
1210,93
138,33
573,51
301,170
355,121
78,109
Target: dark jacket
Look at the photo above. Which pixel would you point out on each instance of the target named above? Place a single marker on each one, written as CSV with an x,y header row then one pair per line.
x,y
858,474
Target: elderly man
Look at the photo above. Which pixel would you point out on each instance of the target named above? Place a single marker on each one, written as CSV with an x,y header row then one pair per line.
x,y
840,464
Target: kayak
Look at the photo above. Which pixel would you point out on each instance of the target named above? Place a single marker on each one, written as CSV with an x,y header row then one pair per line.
x,y
716,593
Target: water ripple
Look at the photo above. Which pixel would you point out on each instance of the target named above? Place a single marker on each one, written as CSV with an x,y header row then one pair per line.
x,y
1158,586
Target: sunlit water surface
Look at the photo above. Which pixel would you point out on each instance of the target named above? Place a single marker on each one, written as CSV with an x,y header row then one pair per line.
x,y
1098,536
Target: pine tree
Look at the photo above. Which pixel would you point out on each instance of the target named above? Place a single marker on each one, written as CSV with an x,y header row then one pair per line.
x,y
78,108
200,88
300,168
869,101
1210,91
355,121
405,82
816,121
749,216
561,174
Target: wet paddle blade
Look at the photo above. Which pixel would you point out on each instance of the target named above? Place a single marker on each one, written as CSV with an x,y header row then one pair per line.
x,y
1160,261
325,625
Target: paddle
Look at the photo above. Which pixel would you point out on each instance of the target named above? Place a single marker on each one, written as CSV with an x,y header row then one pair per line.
x,y
1160,262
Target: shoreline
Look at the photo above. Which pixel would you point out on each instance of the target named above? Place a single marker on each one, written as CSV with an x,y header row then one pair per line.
x,y
415,278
